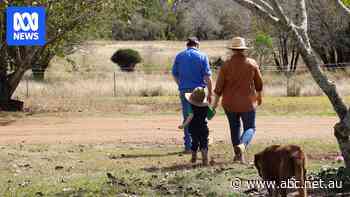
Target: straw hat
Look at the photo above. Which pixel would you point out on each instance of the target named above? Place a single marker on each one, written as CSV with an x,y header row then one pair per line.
x,y
238,43
197,97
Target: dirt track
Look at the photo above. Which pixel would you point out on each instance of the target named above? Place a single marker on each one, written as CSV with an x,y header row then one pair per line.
x,y
154,129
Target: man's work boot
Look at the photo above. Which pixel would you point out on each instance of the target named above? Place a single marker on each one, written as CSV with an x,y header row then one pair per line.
x,y
205,157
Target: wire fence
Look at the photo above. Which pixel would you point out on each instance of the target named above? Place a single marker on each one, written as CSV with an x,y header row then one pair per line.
x,y
159,82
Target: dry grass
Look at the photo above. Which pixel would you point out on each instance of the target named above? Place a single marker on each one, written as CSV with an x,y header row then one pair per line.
x,y
139,93
152,52
95,92
89,81
276,83
82,85
77,86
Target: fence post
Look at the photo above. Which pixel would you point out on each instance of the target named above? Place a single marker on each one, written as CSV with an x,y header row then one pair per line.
x,y
114,85
27,88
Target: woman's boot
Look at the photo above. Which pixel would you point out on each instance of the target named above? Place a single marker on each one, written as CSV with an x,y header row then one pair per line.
x,y
241,150
238,154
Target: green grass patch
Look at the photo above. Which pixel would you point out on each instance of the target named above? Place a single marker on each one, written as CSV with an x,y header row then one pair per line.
x,y
319,106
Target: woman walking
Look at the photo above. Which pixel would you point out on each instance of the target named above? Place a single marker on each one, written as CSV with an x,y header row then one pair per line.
x,y
240,84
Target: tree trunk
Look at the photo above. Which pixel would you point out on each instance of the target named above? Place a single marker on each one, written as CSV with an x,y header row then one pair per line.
x,y
6,91
4,88
293,87
14,80
327,86
300,35
342,133
341,129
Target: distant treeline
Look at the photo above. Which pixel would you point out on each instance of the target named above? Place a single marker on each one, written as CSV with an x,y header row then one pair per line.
x,y
161,20
221,20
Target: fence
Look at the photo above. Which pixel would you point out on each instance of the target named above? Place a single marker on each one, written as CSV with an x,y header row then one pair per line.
x,y
111,90
105,84
158,83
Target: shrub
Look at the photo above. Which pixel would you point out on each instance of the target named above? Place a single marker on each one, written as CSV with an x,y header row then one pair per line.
x,y
216,62
126,59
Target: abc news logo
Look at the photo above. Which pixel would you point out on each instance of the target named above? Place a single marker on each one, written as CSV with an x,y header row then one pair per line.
x,y
29,30
26,26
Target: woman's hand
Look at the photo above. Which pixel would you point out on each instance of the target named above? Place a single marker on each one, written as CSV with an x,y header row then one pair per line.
x,y
209,98
214,106
215,102
259,98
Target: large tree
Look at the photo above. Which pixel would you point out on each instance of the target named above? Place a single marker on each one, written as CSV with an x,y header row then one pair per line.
x,y
63,18
275,14
66,23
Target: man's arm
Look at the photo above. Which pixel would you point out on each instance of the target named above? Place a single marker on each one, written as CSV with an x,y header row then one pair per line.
x,y
258,82
175,71
176,80
206,72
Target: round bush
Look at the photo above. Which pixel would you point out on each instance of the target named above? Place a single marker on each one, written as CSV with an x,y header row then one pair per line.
x,y
126,59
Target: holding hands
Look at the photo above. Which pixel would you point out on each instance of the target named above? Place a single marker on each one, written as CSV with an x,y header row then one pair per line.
x,y
259,98
209,97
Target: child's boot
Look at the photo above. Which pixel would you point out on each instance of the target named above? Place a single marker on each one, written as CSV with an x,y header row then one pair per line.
x,y
194,157
238,154
205,157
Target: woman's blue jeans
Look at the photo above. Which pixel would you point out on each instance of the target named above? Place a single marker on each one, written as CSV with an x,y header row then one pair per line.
x,y
248,120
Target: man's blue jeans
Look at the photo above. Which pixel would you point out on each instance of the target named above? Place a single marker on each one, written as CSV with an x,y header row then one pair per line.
x,y
185,109
248,119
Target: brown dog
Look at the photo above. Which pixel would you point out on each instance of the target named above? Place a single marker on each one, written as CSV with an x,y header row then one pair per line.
x,y
281,163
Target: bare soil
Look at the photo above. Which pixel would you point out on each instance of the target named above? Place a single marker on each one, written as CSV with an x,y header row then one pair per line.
x,y
151,129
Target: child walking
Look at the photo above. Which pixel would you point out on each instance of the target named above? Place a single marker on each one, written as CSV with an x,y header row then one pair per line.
x,y
197,123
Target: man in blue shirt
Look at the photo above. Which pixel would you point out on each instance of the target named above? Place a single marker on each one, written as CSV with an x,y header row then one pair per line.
x,y
191,69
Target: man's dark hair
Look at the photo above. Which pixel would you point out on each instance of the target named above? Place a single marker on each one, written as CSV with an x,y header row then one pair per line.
x,y
192,42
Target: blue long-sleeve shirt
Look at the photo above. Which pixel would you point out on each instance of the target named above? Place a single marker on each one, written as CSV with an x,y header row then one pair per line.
x,y
190,68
